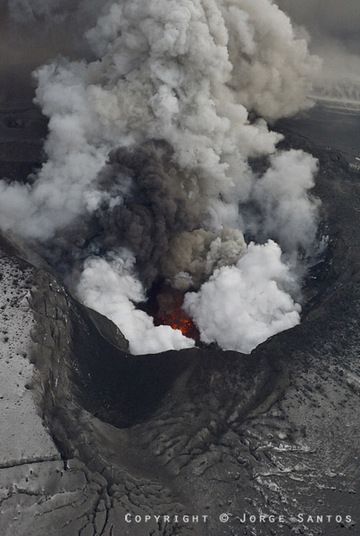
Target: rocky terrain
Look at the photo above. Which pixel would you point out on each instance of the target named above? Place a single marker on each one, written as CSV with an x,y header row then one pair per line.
x,y
90,434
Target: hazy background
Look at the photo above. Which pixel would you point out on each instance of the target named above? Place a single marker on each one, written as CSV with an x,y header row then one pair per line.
x,y
31,33
334,28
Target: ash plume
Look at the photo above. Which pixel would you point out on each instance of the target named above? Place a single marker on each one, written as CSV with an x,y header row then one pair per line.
x,y
160,217
148,153
162,201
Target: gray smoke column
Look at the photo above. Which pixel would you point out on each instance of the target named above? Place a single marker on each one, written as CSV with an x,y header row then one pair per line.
x,y
149,146
160,217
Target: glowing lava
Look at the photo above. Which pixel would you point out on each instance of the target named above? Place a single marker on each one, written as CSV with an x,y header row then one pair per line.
x,y
170,313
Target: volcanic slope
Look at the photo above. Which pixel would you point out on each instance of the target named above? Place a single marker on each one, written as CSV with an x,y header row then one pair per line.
x,y
97,433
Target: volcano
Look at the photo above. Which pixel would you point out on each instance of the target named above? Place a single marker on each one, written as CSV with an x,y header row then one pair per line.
x,y
179,281
114,425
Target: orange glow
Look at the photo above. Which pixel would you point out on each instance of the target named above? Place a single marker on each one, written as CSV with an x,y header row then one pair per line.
x,y
170,313
178,319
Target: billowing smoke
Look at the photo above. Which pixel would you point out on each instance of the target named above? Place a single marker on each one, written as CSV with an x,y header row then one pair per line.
x,y
286,210
108,286
159,216
148,177
243,305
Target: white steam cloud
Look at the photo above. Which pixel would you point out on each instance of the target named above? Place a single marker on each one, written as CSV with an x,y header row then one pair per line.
x,y
243,305
108,286
286,209
172,87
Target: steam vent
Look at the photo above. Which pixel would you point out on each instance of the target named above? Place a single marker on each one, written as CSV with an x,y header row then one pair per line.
x,y
179,268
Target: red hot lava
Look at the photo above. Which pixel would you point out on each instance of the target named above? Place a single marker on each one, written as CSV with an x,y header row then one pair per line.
x,y
170,313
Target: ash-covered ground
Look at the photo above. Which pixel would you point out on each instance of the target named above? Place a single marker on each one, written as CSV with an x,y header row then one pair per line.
x,y
332,127
89,434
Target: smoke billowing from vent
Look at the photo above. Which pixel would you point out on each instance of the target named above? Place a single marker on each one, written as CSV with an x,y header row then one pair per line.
x,y
148,165
108,286
243,305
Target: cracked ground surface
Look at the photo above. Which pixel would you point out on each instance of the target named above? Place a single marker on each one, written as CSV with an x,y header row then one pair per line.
x,y
89,433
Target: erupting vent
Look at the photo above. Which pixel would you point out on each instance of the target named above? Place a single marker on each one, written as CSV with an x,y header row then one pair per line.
x,y
170,313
